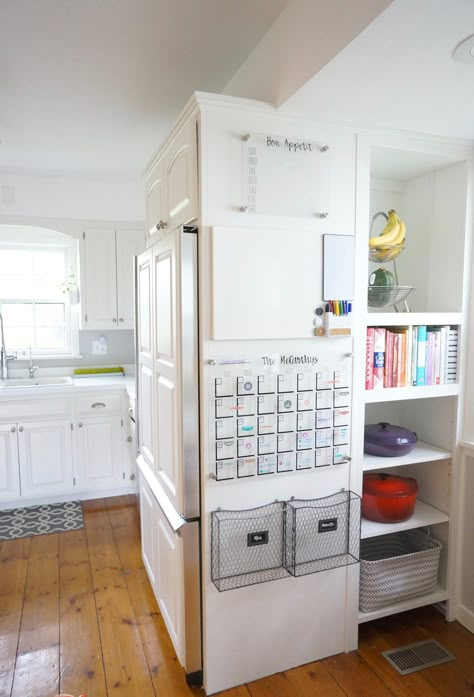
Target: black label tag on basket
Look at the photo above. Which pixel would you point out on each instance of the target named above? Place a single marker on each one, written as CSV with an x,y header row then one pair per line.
x,y
327,525
257,538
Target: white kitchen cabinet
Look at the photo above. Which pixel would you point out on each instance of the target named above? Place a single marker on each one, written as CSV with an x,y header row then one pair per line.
x,y
172,185
9,472
45,457
100,453
107,277
155,203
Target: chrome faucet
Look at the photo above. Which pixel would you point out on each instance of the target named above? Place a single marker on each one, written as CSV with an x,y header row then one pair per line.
x,y
5,356
32,368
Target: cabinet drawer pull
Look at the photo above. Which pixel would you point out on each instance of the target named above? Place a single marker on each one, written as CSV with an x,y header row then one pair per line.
x,y
121,319
98,405
114,319
21,429
80,424
13,429
129,439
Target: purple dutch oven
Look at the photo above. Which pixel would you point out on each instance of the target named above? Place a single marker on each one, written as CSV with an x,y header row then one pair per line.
x,y
385,440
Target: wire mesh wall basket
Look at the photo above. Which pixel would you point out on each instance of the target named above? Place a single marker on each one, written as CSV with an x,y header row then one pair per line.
x,y
247,546
396,567
322,534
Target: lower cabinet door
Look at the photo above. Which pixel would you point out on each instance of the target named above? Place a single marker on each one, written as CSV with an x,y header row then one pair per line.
x,y
147,516
9,474
100,453
169,581
45,454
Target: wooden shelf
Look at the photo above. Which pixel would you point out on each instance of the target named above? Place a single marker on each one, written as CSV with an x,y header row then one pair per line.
x,y
404,319
423,515
422,452
391,394
437,596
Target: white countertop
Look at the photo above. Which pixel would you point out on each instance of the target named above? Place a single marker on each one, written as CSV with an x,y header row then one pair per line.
x,y
101,382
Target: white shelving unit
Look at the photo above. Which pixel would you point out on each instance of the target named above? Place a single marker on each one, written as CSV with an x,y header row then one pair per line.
x,y
426,182
391,394
438,596
422,452
423,516
403,319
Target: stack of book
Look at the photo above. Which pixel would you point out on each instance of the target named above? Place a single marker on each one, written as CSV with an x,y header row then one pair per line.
x,y
410,356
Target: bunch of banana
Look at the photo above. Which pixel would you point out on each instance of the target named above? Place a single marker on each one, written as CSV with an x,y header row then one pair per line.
x,y
392,234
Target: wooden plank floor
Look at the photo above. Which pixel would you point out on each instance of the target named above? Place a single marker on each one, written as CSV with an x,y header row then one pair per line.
x,y
77,615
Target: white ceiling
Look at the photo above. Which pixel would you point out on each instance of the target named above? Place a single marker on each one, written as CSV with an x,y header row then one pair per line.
x,y
399,73
93,86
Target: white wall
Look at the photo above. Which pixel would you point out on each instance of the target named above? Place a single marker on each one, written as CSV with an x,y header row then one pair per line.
x,y
55,196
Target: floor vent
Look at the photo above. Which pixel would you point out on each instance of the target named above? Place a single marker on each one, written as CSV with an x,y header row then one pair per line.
x,y
413,657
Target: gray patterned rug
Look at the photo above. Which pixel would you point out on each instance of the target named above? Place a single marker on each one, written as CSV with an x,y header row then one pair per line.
x,y
41,520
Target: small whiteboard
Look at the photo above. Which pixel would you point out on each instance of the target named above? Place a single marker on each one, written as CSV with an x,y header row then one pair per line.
x,y
338,267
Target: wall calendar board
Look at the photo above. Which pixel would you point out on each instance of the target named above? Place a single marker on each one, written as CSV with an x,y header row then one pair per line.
x,y
285,176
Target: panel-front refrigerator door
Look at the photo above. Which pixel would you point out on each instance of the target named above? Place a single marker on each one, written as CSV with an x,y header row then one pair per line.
x,y
173,479
175,369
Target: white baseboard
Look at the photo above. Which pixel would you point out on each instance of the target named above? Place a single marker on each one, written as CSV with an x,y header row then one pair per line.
x,y
465,617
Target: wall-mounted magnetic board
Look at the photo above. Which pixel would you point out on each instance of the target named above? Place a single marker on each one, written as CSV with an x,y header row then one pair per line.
x,y
266,283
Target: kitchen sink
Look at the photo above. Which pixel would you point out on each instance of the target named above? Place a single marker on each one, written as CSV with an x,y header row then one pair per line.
x,y
35,382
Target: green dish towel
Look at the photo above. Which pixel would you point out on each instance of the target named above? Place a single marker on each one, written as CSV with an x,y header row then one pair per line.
x,y
99,371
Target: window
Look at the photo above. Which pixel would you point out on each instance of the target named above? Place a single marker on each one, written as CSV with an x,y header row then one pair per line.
x,y
34,301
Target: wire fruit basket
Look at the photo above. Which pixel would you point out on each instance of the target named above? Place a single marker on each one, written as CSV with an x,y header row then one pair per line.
x,y
385,252
386,296
379,296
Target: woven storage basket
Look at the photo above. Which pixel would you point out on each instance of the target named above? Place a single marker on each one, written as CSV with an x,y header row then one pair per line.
x,y
396,567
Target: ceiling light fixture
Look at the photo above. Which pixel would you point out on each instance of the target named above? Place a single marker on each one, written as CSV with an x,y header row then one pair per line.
x,y
464,52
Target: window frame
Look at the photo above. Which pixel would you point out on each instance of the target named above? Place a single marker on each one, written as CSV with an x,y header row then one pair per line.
x,y
40,239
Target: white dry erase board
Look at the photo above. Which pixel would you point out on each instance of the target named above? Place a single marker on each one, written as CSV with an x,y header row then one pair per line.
x,y
338,267
266,282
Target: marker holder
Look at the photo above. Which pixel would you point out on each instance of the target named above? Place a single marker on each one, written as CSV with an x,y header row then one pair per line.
x,y
337,325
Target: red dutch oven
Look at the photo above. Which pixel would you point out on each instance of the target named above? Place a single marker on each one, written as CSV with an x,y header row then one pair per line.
x,y
387,498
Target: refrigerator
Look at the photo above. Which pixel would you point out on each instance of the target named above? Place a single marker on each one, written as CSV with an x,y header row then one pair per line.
x,y
168,416
248,525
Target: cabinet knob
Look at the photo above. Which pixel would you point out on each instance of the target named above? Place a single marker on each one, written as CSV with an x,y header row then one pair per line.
x,y
13,429
161,225
121,319
80,424
132,477
322,215
114,319
129,439
21,429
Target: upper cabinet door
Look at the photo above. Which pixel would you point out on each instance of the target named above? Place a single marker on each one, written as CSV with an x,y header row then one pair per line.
x,y
182,177
99,291
129,243
155,203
